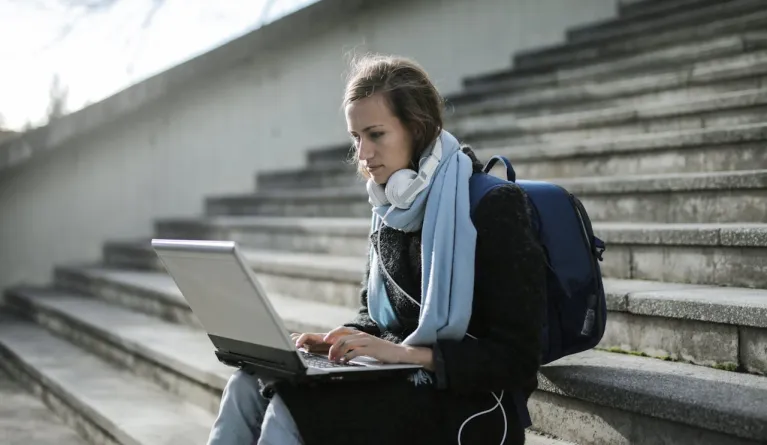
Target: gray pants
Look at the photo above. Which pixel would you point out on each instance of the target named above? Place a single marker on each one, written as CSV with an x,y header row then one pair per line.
x,y
247,418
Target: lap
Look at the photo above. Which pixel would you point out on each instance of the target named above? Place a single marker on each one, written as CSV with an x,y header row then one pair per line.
x,y
381,411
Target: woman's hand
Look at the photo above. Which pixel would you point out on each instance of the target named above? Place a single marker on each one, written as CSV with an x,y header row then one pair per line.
x,y
346,346
315,342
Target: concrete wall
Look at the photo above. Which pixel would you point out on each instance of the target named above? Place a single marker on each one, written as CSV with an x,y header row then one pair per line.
x,y
262,113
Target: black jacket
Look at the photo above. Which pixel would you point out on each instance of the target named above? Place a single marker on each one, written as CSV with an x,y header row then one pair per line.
x,y
508,308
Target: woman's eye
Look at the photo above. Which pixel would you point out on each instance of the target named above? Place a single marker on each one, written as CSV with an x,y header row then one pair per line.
x,y
376,135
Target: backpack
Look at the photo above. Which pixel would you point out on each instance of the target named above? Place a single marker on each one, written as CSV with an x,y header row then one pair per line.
x,y
576,310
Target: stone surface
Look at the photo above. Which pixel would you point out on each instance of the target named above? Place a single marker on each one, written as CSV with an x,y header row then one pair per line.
x,y
753,349
728,108
675,207
685,340
668,56
578,53
156,294
705,71
110,397
593,423
738,267
736,306
661,198
697,396
671,160
633,142
24,420
631,27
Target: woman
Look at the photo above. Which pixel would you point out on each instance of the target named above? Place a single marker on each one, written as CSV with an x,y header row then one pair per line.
x,y
482,282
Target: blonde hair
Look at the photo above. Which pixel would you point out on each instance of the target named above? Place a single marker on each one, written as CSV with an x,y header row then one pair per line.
x,y
408,91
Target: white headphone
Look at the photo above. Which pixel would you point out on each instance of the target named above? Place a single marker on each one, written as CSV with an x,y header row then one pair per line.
x,y
404,185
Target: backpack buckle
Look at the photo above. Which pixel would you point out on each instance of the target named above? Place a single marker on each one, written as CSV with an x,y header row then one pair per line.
x,y
599,248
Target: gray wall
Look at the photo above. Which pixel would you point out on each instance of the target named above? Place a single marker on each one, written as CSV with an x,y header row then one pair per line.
x,y
211,136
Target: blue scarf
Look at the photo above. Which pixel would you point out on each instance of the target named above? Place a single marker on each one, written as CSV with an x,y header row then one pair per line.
x,y
448,241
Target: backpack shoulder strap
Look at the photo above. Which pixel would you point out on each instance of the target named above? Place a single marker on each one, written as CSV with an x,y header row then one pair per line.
x,y
479,184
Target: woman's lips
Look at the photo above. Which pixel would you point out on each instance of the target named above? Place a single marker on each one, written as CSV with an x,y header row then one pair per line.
x,y
372,169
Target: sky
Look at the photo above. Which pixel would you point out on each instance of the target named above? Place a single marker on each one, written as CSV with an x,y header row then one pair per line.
x,y
107,50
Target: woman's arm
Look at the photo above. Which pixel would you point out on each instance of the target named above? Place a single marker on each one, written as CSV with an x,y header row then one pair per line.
x,y
509,302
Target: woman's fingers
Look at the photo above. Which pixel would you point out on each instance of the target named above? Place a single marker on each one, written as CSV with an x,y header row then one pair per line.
x,y
338,332
345,344
356,352
308,339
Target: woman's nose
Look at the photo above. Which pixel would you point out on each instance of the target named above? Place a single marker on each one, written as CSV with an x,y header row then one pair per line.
x,y
364,151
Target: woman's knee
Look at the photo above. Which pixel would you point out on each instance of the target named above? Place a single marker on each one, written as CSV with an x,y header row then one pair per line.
x,y
242,381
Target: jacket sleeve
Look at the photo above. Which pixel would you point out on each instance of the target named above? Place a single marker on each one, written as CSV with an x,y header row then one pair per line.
x,y
509,302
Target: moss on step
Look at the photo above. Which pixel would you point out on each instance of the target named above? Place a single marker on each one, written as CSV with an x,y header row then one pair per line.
x,y
725,366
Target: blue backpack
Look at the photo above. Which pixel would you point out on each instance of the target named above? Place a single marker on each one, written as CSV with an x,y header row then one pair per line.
x,y
576,312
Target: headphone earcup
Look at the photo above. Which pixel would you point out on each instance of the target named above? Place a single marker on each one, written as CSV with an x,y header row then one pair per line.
x,y
397,185
377,194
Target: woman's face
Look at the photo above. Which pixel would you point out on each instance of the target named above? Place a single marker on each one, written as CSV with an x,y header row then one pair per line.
x,y
383,143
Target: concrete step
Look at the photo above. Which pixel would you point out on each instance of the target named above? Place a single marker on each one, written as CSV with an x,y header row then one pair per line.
x,y
668,198
330,155
514,128
719,254
615,398
745,64
711,326
335,236
107,404
736,147
652,60
741,17
705,325
151,291
714,76
177,357
718,149
25,420
602,398
729,254
654,8
632,26
338,174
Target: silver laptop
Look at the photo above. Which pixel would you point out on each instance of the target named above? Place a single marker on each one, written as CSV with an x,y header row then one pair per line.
x,y
227,298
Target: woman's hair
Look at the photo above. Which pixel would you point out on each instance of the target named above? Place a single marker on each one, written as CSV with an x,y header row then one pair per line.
x,y
406,87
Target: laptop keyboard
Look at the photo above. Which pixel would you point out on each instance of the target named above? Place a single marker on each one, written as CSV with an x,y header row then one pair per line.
x,y
321,361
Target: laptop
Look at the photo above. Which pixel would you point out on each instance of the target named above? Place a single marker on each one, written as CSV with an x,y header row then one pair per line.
x,y
246,331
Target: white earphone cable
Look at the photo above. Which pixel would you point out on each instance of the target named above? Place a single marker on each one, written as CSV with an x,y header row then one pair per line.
x,y
497,398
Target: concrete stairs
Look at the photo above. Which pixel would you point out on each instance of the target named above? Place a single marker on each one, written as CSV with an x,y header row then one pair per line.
x,y
653,119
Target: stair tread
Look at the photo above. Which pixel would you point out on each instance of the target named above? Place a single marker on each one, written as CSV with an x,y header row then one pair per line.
x,y
504,94
725,234
184,349
569,52
179,347
727,305
627,27
162,285
110,395
722,400
725,401
690,181
475,124
672,54
25,420
631,143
